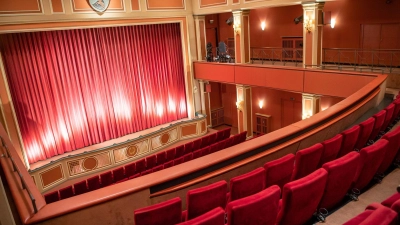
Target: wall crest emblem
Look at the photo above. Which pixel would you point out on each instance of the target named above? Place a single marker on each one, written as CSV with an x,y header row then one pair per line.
x,y
99,5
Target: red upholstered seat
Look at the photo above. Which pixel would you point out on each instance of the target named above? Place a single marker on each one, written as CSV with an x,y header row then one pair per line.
x,y
388,117
279,171
140,166
366,128
146,172
213,138
178,161
80,187
223,143
51,197
179,151
164,213
213,217
214,148
66,192
188,157
197,154
93,183
151,161
382,216
161,158
257,209
392,150
392,199
220,135
118,174
130,169
168,164
196,144
350,137
106,179
247,184
307,161
300,198
227,133
379,119
170,154
331,149
204,199
134,176
371,159
229,142
205,141
242,137
188,147
396,112
205,151
157,168
341,174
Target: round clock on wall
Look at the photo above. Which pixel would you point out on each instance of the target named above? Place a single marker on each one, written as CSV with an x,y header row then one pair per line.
x,y
99,5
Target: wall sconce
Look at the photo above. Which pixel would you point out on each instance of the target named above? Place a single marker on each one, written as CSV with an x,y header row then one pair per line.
x,y
261,104
239,105
262,25
236,26
333,22
211,21
308,24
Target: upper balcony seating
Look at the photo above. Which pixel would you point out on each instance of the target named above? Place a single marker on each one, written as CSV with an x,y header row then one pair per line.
x,y
80,187
246,184
179,151
379,120
331,149
204,199
370,160
93,183
66,192
106,179
151,161
161,158
341,174
350,137
393,138
257,209
213,217
119,175
51,197
140,166
366,128
279,171
164,213
300,198
307,161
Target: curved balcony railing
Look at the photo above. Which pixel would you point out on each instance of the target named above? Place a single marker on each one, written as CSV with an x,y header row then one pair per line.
x,y
273,55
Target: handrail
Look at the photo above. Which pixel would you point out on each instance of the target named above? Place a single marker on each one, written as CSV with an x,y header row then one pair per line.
x,y
276,54
15,169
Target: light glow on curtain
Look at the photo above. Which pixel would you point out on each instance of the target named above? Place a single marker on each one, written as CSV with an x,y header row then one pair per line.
x,y
75,88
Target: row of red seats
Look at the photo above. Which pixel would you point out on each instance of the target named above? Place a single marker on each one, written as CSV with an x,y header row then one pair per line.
x,y
150,164
307,189
384,213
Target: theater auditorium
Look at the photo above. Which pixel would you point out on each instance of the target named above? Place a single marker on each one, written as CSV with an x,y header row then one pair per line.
x,y
207,112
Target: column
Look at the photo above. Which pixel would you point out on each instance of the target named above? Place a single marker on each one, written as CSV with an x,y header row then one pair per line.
x,y
200,26
205,100
312,33
241,28
311,105
243,104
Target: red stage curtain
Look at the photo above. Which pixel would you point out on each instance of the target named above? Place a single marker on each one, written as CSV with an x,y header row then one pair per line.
x,y
75,88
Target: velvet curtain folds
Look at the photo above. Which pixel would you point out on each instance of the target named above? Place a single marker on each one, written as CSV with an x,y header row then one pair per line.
x,y
75,88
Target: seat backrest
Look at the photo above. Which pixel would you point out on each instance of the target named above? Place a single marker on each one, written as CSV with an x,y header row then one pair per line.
x,y
93,183
371,159
205,151
257,209
213,217
229,142
188,157
196,144
80,187
307,161
389,115
213,138
140,166
118,174
392,150
197,154
341,174
242,137
157,168
151,161
392,199
379,119
204,199
227,133
300,198
188,147
396,111
366,128
247,184
51,197
170,154
331,149
381,216
396,206
350,137
66,192
168,164
130,169
279,171
205,141
106,179
178,161
146,172
214,148
161,158
220,135
179,151
164,213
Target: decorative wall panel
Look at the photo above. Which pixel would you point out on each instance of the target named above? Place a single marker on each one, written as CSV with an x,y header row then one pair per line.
x,y
57,6
208,3
51,176
135,5
83,6
165,4
20,7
